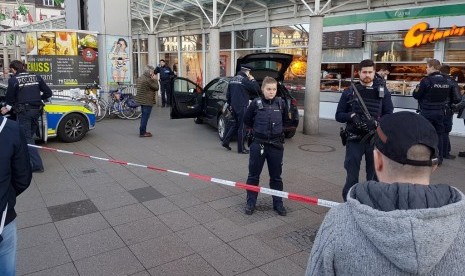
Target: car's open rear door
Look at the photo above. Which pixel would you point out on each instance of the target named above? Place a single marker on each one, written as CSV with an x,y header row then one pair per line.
x,y
186,99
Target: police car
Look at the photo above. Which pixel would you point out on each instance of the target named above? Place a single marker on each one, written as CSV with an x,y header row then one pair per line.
x,y
207,105
67,120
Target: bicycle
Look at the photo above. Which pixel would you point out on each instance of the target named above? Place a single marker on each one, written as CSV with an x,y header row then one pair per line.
x,y
121,104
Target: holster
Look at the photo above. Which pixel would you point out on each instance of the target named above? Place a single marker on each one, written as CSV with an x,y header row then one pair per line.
x,y
343,133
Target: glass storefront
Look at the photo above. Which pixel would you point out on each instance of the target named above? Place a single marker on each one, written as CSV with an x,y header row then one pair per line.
x,y
390,47
251,39
140,56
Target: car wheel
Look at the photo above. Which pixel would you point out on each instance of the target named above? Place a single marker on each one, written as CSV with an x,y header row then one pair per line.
x,y
289,134
221,127
73,127
198,121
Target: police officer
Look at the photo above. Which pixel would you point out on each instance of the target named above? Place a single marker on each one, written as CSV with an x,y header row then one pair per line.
x,y
432,93
454,97
359,125
241,89
165,82
383,72
24,96
266,116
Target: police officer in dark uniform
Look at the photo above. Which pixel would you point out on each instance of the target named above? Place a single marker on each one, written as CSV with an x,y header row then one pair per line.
x,y
165,82
432,93
266,116
453,98
359,125
241,89
24,97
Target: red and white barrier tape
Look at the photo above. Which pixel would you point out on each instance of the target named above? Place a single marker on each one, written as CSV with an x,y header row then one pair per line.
x,y
244,186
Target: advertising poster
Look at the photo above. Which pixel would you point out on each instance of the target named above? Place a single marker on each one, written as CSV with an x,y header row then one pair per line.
x,y
64,58
118,60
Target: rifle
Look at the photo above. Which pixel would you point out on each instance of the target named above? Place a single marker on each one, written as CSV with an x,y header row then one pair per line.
x,y
364,110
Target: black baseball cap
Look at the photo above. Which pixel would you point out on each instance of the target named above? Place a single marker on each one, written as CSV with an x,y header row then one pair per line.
x,y
399,131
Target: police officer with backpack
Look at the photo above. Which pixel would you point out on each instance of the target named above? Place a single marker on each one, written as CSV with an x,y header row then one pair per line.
x,y
266,116
432,93
360,107
24,96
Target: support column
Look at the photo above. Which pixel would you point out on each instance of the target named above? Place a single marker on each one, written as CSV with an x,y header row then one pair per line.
x,y
313,76
153,52
213,62
6,61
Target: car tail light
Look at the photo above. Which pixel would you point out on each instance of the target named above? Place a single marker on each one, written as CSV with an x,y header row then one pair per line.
x,y
294,102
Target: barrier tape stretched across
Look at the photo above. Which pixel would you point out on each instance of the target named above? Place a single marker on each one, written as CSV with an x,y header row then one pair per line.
x,y
244,186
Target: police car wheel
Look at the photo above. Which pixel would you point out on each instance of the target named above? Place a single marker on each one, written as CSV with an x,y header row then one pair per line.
x,y
197,120
221,127
73,127
289,134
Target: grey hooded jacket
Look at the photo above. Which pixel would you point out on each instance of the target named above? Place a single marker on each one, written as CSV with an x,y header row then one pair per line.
x,y
400,229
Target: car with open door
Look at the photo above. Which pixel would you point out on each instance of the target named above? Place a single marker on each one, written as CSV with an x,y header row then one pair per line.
x,y
207,104
68,120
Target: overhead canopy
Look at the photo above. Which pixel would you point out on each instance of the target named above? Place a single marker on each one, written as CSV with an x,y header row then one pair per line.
x,y
185,15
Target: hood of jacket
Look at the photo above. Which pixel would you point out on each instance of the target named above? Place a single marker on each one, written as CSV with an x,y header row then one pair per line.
x,y
412,225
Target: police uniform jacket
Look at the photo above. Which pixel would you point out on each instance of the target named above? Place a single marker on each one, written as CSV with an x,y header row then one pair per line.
x,y
267,118
165,73
432,92
376,98
15,171
240,91
454,93
26,88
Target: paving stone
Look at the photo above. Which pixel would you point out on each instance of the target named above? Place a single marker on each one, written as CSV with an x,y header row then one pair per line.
x,y
142,273
126,214
62,182
226,230
93,243
33,218
71,210
199,238
81,225
253,272
302,238
212,193
160,206
255,250
112,201
62,270
161,250
178,220
41,257
264,225
300,258
227,202
29,204
227,261
116,262
145,194
63,197
37,235
185,200
95,190
203,213
282,267
142,230
192,265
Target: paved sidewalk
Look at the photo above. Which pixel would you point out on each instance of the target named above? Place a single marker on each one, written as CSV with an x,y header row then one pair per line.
x,y
89,217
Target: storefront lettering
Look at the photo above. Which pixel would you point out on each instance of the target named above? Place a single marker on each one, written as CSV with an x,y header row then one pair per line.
x,y
402,13
419,34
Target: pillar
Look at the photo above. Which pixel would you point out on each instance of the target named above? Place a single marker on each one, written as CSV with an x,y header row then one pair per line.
x,y
213,61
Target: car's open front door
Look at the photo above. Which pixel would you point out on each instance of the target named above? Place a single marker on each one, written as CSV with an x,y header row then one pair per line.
x,y
186,99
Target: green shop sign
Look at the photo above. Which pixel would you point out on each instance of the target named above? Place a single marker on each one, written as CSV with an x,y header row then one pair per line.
x,y
400,14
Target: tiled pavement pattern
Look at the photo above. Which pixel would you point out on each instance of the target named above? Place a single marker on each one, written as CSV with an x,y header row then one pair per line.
x,y
88,217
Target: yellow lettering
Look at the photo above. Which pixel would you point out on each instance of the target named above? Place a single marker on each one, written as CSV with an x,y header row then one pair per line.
x,y
418,34
414,37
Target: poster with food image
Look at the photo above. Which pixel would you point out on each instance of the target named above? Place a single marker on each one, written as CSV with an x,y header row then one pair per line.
x,y
66,43
86,40
46,43
31,43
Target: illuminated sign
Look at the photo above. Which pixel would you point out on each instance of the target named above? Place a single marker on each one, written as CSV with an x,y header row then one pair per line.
x,y
420,35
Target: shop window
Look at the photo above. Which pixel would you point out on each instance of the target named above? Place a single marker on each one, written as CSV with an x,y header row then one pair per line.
x,y
192,67
225,40
191,43
455,50
251,39
394,51
289,36
168,44
48,3
353,55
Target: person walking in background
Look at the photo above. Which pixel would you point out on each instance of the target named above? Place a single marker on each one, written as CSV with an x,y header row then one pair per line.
x,y
453,98
401,224
15,177
24,96
374,95
432,93
241,88
165,82
222,70
147,87
266,116
383,72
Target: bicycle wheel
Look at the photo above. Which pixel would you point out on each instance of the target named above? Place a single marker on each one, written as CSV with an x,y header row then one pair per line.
x,y
127,111
101,110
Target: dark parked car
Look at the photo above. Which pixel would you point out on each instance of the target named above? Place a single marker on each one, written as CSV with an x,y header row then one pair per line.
x,y
206,105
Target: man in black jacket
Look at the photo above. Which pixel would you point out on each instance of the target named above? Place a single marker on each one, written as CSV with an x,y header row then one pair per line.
x,y
15,177
165,82
25,95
